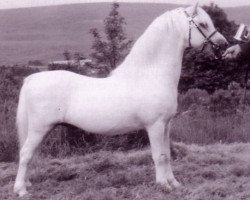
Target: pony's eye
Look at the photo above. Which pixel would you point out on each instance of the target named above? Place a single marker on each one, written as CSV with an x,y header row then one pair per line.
x,y
203,25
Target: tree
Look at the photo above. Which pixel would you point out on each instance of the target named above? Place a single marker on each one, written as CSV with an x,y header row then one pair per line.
x,y
200,70
67,55
35,63
79,56
109,52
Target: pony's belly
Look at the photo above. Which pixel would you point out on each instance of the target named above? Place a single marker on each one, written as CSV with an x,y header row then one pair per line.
x,y
102,119
106,125
109,130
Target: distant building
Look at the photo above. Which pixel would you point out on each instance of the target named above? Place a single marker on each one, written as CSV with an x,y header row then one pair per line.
x,y
40,68
80,63
86,69
37,64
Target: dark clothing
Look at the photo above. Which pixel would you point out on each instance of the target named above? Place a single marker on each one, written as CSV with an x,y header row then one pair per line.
x,y
245,53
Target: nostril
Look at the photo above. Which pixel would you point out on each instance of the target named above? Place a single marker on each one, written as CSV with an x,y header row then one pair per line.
x,y
224,44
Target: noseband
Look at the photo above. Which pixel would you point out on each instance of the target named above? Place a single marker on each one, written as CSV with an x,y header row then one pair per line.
x,y
207,40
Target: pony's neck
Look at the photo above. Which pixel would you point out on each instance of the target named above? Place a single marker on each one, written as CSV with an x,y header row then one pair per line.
x,y
160,49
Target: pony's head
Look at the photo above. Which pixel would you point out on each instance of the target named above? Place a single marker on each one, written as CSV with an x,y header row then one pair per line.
x,y
199,30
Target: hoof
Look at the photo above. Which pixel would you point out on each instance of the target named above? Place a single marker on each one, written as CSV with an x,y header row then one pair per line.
x,y
174,183
28,183
20,191
170,185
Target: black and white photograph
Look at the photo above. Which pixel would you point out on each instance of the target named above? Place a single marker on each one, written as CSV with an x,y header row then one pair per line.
x,y
125,100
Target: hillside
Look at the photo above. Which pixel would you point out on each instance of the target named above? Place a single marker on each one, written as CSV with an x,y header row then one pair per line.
x,y
211,172
239,14
43,33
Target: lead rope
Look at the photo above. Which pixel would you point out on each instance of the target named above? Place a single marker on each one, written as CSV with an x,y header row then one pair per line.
x,y
245,87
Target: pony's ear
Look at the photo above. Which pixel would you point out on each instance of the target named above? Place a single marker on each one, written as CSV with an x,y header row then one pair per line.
x,y
194,9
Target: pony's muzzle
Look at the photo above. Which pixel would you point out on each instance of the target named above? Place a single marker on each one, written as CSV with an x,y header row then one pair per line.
x,y
223,44
219,48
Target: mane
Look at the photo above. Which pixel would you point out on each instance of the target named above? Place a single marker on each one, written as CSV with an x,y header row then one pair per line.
x,y
149,42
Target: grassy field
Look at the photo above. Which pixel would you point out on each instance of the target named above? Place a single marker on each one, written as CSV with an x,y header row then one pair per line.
x,y
43,33
210,172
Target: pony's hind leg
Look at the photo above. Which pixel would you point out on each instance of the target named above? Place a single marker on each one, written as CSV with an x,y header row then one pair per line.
x,y
33,140
160,147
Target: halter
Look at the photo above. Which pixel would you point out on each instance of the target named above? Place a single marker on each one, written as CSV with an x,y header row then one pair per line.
x,y
207,40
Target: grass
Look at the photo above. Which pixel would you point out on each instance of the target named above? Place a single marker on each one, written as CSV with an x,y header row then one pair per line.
x,y
211,172
203,127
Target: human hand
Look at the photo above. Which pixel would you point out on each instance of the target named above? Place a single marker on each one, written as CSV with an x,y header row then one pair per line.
x,y
232,52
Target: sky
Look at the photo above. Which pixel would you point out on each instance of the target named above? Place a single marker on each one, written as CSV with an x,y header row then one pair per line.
x,y
6,4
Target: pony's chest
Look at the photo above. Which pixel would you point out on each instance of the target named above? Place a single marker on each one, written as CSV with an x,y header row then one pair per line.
x,y
157,104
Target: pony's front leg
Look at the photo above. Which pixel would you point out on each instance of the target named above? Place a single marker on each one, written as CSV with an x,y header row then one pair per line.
x,y
160,147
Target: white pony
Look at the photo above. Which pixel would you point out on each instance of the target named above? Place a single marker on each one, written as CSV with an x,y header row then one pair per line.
x,y
140,94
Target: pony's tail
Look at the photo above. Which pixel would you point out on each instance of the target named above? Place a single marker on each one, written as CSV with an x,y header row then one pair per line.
x,y
22,118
